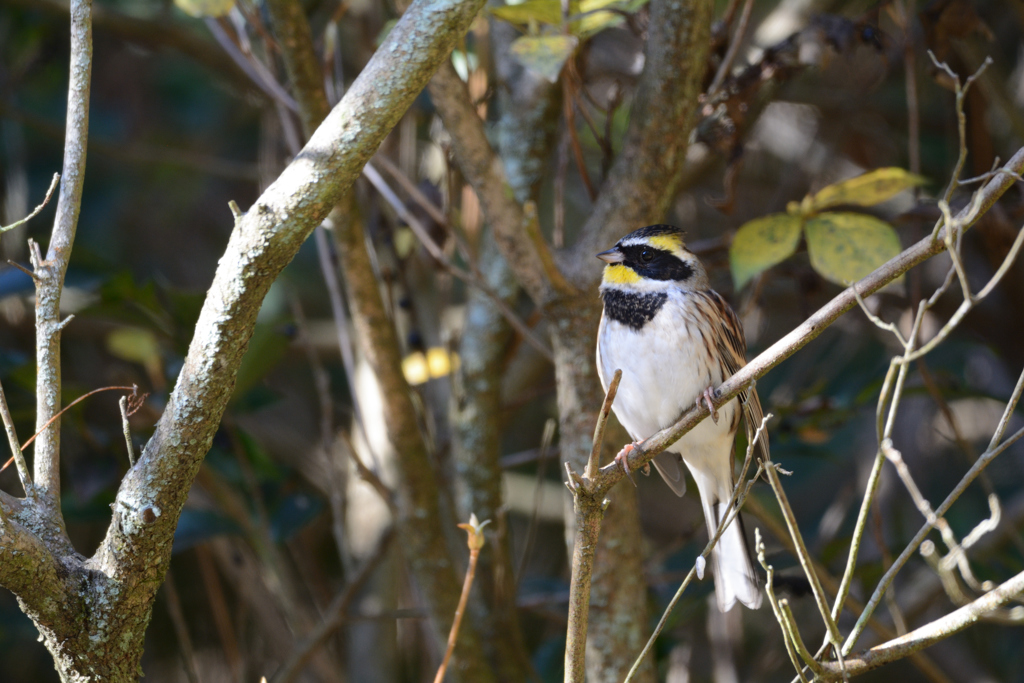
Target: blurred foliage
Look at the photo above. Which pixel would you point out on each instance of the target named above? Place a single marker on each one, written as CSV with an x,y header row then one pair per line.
x,y
822,98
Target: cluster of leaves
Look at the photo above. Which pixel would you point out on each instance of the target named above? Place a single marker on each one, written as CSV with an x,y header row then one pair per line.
x,y
844,246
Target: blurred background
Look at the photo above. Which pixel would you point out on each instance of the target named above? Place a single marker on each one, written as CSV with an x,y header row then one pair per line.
x,y
278,519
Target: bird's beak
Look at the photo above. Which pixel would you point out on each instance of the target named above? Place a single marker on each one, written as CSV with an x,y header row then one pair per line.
x,y
613,255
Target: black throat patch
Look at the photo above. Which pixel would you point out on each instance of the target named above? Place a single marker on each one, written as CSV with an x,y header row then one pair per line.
x,y
631,309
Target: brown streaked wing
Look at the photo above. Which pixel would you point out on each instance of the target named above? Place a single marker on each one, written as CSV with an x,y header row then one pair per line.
x,y
731,345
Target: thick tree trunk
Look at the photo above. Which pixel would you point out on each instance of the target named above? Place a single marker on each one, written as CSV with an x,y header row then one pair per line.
x,y
618,589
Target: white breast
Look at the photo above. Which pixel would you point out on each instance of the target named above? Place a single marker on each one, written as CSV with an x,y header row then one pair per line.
x,y
665,366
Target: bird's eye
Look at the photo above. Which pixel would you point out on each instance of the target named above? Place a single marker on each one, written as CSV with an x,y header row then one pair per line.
x,y
646,256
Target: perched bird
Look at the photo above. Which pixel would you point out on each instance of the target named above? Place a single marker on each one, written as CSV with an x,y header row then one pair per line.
x,y
675,339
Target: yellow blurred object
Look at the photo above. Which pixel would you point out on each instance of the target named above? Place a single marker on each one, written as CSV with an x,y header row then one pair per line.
x,y
414,367
205,8
437,362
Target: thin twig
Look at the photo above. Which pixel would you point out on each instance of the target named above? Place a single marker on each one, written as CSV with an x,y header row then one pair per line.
x,y
35,212
475,543
886,580
769,588
789,623
594,462
569,79
123,405
531,530
417,195
734,48
779,531
547,259
252,67
12,438
472,278
133,389
931,633
335,615
188,659
805,558
329,270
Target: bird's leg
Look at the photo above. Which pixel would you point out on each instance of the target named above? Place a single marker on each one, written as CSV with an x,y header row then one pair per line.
x,y
709,397
622,459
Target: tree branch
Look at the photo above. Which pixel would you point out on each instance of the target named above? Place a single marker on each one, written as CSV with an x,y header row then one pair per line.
x,y
485,172
929,634
50,272
138,542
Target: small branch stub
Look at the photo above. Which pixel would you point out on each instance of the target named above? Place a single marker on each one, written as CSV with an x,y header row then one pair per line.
x,y
475,542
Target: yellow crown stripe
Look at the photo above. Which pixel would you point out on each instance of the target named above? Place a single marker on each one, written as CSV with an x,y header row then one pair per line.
x,y
670,243
619,274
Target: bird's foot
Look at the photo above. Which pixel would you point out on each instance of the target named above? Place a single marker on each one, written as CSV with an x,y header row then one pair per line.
x,y
709,397
622,459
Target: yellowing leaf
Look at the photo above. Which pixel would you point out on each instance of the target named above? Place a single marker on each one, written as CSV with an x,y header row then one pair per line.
x,y
544,55
593,21
868,189
761,243
205,8
540,11
844,247
587,17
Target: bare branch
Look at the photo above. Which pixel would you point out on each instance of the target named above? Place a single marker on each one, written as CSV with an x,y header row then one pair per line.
x,y
734,48
736,502
12,440
931,633
50,273
35,211
886,580
802,555
473,278
264,240
602,419
769,588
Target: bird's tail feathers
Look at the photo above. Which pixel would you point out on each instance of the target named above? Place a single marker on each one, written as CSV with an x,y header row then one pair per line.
x,y
735,579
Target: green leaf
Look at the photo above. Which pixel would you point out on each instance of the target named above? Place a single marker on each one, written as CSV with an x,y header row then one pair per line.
x,y
761,243
544,55
868,189
137,345
844,247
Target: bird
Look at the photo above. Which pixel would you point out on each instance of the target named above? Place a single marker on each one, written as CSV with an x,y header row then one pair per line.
x,y
675,339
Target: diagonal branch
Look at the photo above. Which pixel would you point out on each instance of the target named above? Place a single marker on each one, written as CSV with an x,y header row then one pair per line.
x,y
263,241
931,633
484,170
